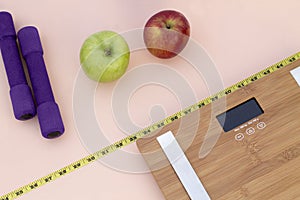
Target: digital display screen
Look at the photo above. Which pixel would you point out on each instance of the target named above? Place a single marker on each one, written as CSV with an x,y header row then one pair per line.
x,y
239,114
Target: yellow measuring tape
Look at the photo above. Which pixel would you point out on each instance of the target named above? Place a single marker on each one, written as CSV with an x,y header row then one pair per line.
x,y
134,137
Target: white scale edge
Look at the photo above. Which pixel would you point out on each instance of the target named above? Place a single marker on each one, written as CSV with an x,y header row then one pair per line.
x,y
182,167
296,74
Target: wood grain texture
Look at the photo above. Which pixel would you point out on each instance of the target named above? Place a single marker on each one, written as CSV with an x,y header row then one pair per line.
x,y
264,165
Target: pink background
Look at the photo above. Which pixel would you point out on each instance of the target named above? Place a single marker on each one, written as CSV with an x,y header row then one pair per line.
x,y
241,37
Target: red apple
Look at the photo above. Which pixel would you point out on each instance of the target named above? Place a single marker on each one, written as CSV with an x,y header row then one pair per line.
x,y
166,33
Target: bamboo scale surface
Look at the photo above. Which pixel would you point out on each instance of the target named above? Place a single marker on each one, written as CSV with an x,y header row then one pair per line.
x,y
264,164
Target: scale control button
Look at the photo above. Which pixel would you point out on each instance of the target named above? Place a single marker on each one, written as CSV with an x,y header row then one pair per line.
x,y
261,125
250,131
239,136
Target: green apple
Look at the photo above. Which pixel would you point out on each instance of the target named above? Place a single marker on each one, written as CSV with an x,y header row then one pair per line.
x,y
104,56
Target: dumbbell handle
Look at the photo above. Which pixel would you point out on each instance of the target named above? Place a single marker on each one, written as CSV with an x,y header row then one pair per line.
x,y
12,62
39,78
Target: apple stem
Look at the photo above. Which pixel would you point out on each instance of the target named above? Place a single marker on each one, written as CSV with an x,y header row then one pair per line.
x,y
107,52
168,26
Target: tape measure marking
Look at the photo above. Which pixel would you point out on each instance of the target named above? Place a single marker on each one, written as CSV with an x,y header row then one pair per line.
x,y
134,137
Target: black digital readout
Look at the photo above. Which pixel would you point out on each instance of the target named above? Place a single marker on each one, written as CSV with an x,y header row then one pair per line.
x,y
240,114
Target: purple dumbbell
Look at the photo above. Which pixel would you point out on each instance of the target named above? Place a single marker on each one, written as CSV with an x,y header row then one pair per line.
x,y
20,93
50,120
